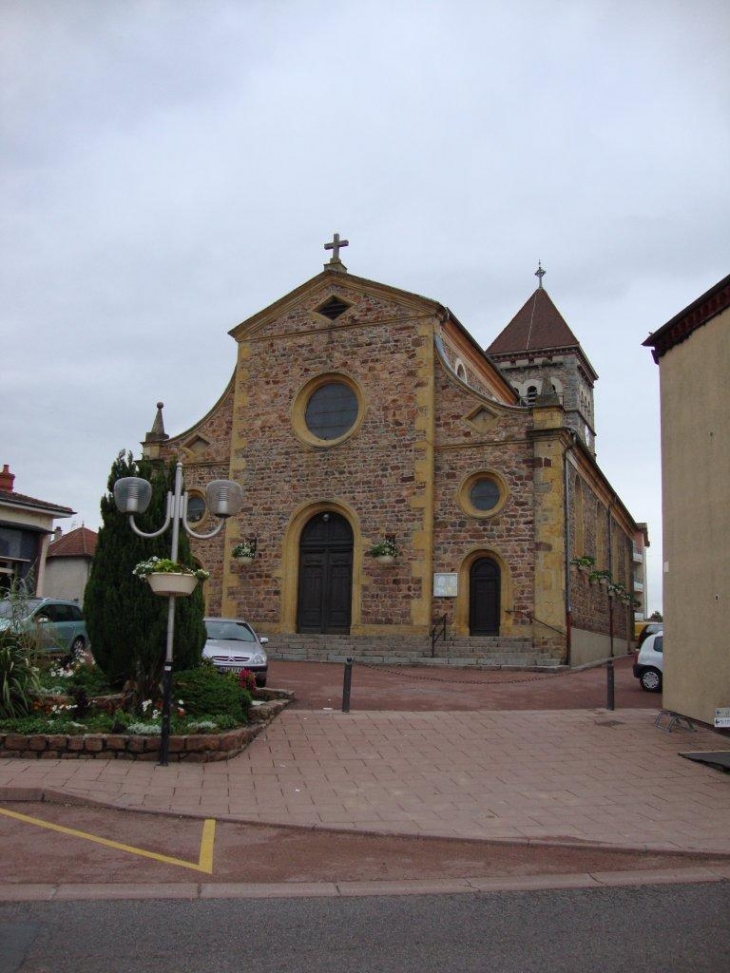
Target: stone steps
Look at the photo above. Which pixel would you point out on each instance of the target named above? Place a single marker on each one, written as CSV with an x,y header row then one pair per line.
x,y
410,650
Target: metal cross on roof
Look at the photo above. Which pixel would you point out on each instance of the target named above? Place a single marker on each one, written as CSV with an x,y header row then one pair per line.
x,y
334,246
540,273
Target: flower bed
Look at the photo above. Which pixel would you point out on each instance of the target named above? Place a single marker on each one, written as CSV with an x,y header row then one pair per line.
x,y
194,748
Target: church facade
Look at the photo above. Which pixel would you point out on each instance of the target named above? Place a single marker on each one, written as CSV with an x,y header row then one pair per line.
x,y
358,414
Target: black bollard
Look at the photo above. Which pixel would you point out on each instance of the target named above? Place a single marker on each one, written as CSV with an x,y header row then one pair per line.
x,y
609,685
346,686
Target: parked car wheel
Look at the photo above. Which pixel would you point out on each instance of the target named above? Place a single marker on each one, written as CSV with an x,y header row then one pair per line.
x,y
651,680
261,681
77,647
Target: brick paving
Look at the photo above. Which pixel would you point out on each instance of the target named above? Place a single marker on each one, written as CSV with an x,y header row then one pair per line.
x,y
585,776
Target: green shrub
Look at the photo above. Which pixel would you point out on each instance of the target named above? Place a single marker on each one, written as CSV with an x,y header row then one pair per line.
x,y
45,724
72,677
205,692
18,679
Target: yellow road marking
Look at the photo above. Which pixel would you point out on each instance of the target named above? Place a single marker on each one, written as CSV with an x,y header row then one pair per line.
x,y
207,841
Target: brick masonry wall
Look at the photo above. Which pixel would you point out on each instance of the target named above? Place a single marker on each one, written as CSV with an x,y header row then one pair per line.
x,y
590,605
202,748
372,475
422,433
193,748
461,451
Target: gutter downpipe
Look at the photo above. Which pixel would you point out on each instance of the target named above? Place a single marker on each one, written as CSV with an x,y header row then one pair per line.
x,y
566,521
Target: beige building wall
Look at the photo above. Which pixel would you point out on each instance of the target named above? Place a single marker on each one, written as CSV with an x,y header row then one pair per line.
x,y
696,513
36,520
66,578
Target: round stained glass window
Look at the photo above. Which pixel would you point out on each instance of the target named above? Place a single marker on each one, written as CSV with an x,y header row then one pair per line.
x,y
331,411
484,494
196,508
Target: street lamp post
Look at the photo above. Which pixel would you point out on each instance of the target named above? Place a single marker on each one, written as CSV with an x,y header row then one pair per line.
x,y
132,495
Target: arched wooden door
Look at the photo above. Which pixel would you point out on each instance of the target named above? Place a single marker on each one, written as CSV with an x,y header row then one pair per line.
x,y
325,575
484,597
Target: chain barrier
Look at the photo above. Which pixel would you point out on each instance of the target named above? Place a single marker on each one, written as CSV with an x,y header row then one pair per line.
x,y
403,671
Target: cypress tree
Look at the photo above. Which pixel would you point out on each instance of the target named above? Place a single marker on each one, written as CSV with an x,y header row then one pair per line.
x,y
126,622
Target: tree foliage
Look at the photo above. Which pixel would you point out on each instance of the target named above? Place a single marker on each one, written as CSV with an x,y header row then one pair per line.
x,y
126,622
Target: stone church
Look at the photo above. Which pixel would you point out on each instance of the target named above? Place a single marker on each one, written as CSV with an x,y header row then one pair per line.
x,y
359,413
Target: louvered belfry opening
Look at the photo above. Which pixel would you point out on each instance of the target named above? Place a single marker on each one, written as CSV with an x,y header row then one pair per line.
x,y
333,308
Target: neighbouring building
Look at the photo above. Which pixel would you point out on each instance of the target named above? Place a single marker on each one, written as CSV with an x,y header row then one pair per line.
x,y
358,412
68,563
641,573
693,354
26,524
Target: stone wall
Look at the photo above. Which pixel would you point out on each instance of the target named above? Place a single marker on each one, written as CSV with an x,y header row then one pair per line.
x,y
193,748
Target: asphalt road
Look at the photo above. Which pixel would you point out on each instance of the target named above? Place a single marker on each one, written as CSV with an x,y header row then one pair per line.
x,y
682,929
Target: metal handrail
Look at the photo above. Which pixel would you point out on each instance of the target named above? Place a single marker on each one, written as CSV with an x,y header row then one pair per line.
x,y
439,629
534,618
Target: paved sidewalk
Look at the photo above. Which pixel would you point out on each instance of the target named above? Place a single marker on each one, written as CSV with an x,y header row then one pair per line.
x,y
586,776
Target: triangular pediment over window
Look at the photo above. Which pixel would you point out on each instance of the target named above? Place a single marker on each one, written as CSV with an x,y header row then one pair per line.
x,y
482,419
197,445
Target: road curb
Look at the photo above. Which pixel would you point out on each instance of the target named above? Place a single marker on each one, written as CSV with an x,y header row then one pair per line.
x,y
284,890
51,796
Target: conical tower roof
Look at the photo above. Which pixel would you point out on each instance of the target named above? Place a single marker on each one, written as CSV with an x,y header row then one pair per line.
x,y
537,326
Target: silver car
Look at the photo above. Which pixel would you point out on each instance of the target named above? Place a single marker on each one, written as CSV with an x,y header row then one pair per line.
x,y
233,645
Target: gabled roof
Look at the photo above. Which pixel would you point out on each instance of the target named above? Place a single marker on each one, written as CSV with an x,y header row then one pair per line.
x,y
537,326
77,543
694,316
320,282
13,499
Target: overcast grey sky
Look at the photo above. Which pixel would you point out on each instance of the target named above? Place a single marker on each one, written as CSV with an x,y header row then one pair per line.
x,y
170,167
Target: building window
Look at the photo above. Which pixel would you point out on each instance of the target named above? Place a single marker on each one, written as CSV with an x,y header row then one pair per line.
x,y
331,411
333,308
483,494
531,394
328,410
196,508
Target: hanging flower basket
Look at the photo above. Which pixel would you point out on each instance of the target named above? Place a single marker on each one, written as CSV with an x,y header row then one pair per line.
x,y
384,552
168,578
245,552
169,584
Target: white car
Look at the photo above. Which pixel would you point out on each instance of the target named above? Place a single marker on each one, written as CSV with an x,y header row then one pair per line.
x,y
649,662
233,645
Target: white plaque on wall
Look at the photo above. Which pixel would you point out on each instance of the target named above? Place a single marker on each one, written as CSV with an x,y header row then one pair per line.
x,y
445,585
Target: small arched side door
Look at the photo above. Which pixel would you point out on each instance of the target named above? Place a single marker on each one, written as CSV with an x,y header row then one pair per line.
x,y
484,597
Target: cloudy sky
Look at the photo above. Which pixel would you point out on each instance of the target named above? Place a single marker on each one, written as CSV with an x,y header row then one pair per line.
x,y
170,167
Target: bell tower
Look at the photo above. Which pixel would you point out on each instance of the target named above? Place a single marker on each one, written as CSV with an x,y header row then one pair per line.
x,y
541,358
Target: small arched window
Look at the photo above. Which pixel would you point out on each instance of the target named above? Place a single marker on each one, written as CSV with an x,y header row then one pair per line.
x,y
531,394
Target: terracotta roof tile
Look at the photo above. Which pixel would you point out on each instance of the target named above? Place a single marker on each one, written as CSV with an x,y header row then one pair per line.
x,y
77,543
20,500
537,326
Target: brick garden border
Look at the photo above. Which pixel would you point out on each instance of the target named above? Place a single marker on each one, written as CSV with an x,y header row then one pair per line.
x,y
194,748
